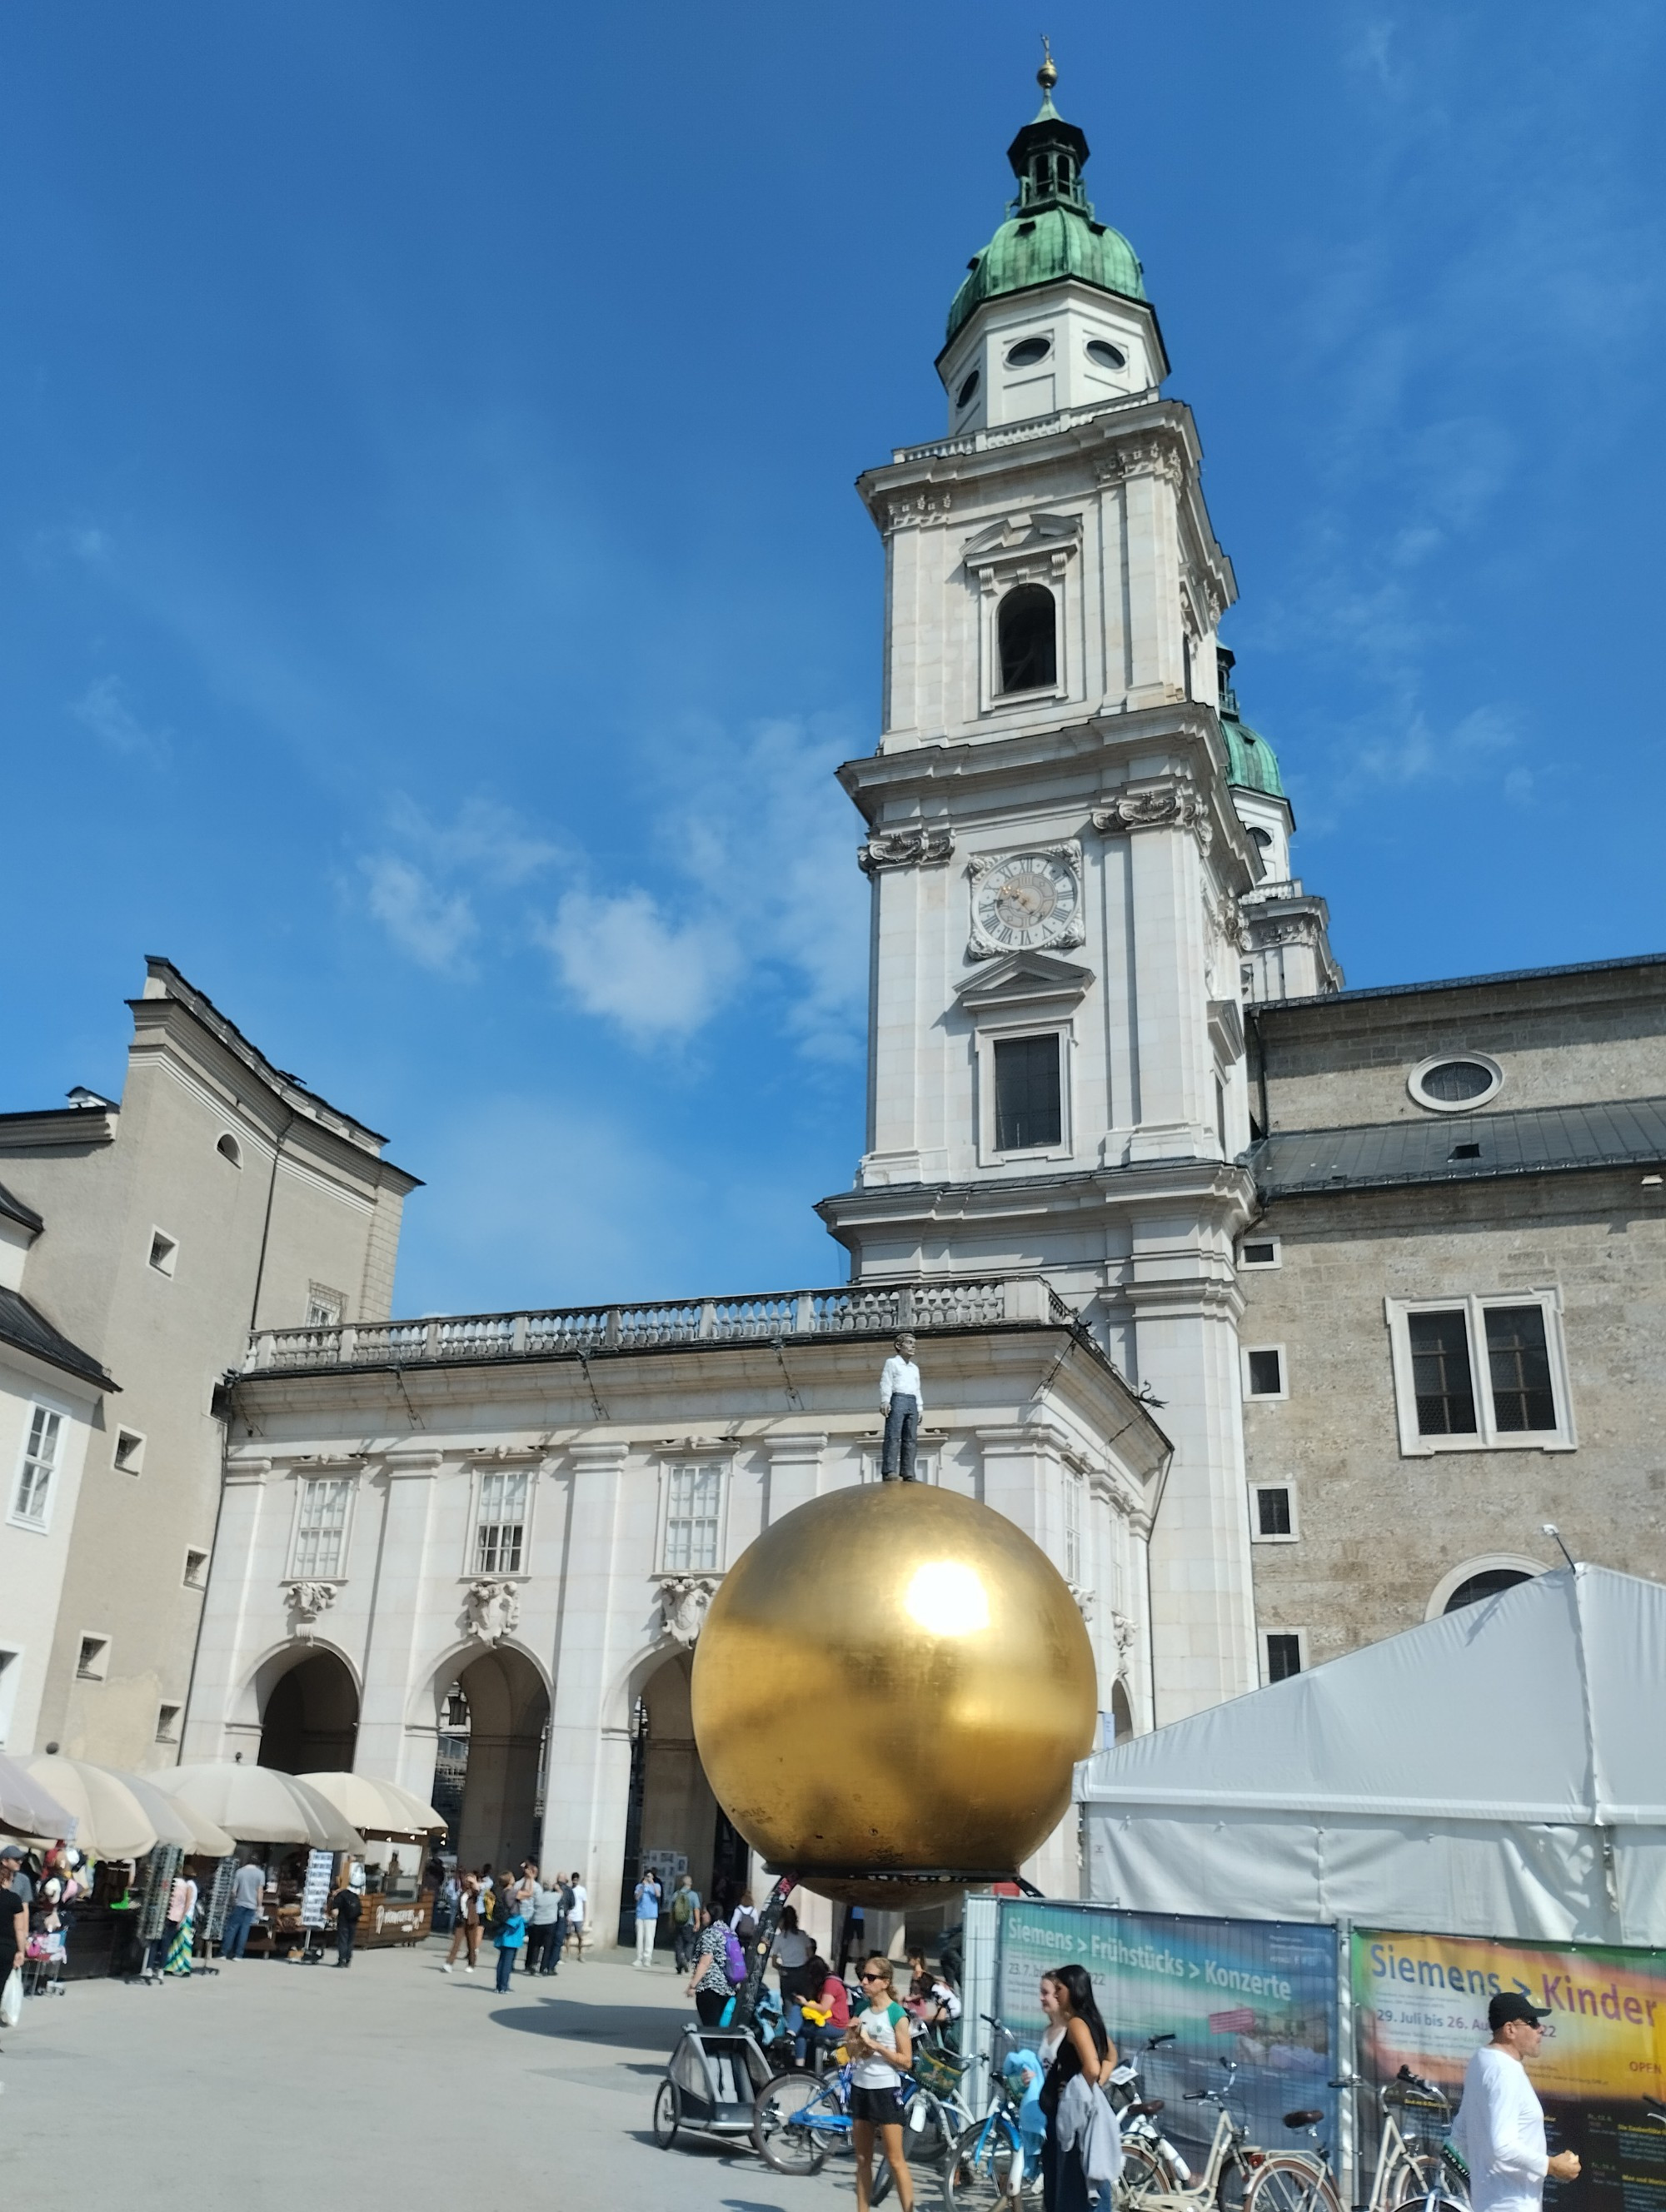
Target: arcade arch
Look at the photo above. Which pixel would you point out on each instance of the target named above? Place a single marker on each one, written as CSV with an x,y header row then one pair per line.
x,y
504,1722
309,1716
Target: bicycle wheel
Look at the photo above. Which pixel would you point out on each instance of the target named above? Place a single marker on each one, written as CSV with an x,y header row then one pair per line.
x,y
667,2112
784,2134
980,2172
1143,2175
1286,2182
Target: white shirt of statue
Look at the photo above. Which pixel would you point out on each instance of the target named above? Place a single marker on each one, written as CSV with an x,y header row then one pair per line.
x,y
899,1378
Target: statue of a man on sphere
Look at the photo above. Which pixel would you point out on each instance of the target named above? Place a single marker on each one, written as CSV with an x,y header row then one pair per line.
x,y
899,1399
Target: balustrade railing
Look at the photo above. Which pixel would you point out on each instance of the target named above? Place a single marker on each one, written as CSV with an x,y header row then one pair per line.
x,y
853,1309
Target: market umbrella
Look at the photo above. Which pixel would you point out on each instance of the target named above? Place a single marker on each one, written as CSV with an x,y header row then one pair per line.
x,y
27,1807
378,1807
118,1815
260,1803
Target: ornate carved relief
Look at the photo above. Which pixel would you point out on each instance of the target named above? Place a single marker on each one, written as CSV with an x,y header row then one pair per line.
x,y
1174,806
684,1601
1121,1629
923,506
1147,457
911,847
1084,1600
491,1610
306,1601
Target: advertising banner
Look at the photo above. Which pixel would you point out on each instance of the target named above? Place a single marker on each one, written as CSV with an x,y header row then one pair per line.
x,y
1261,1994
1420,2001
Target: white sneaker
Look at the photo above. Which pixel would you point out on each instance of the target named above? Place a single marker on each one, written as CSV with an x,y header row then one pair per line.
x,y
446,1968
468,1970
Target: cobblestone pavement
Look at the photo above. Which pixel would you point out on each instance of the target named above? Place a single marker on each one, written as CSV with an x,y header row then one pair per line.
x,y
268,2086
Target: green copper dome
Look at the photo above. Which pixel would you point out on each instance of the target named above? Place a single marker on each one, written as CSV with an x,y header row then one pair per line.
x,y
1251,763
1050,232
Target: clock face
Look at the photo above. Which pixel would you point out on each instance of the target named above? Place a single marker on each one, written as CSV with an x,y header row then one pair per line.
x,y
1028,899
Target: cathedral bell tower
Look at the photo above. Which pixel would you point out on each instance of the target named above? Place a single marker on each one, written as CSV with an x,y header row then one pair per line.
x,y
1056,1073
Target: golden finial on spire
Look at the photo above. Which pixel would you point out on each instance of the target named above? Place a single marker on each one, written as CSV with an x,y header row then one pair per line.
x,y
1046,76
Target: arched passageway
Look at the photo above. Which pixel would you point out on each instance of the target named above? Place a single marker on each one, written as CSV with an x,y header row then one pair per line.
x,y
310,1720
1121,1712
506,1719
672,1814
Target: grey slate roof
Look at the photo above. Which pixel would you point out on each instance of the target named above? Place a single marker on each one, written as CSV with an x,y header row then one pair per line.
x,y
11,1205
28,1330
1534,1141
1312,1004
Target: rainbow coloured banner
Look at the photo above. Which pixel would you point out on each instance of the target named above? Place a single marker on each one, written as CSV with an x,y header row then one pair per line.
x,y
1420,2001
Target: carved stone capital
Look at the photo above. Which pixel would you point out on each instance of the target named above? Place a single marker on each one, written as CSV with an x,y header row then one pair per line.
x,y
491,1610
1143,457
1084,1600
1174,806
921,506
684,1601
914,846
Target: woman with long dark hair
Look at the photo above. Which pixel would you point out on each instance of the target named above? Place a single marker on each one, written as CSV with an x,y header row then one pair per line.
x,y
1077,2042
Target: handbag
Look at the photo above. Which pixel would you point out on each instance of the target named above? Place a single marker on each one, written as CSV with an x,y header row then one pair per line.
x,y
12,2000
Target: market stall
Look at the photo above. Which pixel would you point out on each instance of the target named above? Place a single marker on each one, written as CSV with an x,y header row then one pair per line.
x,y
298,1837
397,1909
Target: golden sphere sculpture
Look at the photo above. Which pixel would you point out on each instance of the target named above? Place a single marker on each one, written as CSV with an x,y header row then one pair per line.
x,y
890,1691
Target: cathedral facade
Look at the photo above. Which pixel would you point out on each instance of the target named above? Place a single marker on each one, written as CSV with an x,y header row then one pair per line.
x,y
1123,1178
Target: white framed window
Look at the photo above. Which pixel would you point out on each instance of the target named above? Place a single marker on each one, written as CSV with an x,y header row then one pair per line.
x,y
1023,1086
43,1445
323,1509
1075,1493
128,1457
11,1674
500,1521
1257,1251
196,1571
1455,1082
1274,1518
164,1251
325,1307
1480,1373
925,1467
691,1540
167,1723
1266,1372
93,1660
229,1149
1477,1580
1284,1653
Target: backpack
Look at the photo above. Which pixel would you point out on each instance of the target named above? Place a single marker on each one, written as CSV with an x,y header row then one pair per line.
x,y
682,1904
747,1928
567,1900
734,1957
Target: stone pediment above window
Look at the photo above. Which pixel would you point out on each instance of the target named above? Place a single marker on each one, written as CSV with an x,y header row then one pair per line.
x,y
1025,979
1022,546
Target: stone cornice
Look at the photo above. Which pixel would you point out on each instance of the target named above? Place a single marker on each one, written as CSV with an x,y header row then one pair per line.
x,y
1221,1186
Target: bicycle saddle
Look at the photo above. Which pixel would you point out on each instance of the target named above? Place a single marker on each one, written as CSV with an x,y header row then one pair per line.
x,y
1302,2119
1150,2105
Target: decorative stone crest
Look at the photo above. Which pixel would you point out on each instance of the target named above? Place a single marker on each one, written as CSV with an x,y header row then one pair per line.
x,y
1174,806
924,506
684,1601
1148,457
1121,1629
306,1601
1084,1600
911,847
491,1610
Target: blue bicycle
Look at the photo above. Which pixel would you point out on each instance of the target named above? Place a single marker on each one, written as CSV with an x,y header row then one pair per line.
x,y
797,2121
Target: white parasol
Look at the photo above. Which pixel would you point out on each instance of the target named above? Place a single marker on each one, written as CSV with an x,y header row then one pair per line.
x,y
379,1808
118,1815
260,1804
27,1807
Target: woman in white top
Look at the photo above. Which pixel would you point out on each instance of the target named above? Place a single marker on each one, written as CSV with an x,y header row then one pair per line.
x,y
881,2047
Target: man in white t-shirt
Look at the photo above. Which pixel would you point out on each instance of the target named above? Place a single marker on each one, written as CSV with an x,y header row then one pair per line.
x,y
1500,2130
900,1401
581,1905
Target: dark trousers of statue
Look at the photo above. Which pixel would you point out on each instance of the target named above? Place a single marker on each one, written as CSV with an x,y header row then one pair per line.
x,y
902,1433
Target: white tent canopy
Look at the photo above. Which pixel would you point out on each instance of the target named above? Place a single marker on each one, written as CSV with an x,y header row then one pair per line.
x,y
1500,1772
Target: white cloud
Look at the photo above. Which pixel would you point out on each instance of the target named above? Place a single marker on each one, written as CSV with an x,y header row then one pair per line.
x,y
434,927
621,959
482,837
102,708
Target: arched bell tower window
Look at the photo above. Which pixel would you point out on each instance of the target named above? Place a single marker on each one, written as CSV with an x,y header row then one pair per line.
x,y
1027,631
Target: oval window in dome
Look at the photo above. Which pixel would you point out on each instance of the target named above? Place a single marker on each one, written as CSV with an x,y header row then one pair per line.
x,y
1451,1082
1028,351
968,391
1105,355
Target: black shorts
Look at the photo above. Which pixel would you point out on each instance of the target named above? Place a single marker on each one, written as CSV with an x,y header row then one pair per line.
x,y
883,2108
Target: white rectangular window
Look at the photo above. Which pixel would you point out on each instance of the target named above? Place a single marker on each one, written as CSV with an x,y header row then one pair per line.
x,y
500,1529
694,1513
130,1451
195,1574
1481,1374
32,1498
167,1723
92,1661
1272,1516
320,1551
1264,1373
1258,1252
11,1673
1286,1653
325,1307
1074,1490
164,1251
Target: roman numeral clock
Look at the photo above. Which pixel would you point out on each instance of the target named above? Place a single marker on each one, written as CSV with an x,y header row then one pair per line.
x,y
1025,901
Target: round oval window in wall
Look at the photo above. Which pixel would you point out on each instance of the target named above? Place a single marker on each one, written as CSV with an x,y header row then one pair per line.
x,y
1104,355
1028,351
1455,1082
968,391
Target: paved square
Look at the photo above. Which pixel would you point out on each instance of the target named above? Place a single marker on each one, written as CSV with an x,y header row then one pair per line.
x,y
268,2086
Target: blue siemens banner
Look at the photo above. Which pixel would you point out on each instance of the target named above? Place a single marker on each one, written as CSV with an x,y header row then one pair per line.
x,y
1262,1993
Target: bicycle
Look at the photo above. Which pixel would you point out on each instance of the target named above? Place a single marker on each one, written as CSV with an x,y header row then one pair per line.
x,y
1149,2182
986,2166
1136,2113
798,2120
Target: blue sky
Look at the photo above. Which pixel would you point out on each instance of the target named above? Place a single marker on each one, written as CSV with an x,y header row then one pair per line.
x,y
433,599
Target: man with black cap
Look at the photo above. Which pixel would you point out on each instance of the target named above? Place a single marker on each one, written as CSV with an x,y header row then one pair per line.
x,y
14,1909
1500,2130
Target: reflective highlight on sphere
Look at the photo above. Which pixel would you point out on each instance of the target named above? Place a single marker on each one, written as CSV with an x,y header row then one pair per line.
x,y
893,1679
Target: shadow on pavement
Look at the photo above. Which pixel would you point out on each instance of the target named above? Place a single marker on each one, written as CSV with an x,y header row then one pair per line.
x,y
645,2027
